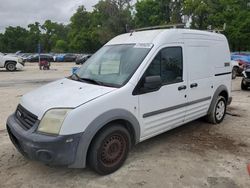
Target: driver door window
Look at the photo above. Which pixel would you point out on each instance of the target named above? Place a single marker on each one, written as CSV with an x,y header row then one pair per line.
x,y
168,64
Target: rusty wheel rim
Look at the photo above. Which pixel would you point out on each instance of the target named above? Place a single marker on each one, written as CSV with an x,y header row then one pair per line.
x,y
113,149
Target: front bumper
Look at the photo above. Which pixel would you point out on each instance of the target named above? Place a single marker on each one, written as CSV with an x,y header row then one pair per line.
x,y
53,150
19,66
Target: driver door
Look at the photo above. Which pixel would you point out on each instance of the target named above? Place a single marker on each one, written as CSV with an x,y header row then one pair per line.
x,y
164,109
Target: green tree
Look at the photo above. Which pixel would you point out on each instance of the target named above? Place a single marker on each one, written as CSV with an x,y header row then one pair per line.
x,y
153,12
53,33
147,13
34,37
176,11
60,47
198,11
90,30
236,15
1,43
14,39
79,30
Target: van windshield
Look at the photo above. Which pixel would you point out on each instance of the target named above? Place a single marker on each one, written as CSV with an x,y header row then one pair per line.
x,y
113,65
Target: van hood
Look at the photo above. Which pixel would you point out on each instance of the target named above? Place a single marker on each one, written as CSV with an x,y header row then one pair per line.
x,y
64,93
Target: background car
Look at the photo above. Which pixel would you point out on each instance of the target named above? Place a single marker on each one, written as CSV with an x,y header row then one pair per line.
x,y
60,57
245,83
43,57
242,58
237,69
69,58
65,58
11,62
82,59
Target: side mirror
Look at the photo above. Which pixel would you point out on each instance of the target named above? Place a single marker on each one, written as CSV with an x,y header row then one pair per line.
x,y
152,83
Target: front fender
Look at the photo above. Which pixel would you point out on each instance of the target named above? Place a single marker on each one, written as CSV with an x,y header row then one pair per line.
x,y
96,125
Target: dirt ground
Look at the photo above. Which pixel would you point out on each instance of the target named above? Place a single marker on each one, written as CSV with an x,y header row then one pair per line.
x,y
194,155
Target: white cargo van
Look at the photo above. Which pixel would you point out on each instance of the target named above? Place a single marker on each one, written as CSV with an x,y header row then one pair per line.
x,y
137,86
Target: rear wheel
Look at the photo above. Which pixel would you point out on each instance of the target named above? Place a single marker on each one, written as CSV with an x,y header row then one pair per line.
x,y
218,111
243,86
11,66
109,149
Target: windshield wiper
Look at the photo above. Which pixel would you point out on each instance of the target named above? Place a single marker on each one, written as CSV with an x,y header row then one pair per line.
x,y
92,81
75,76
78,78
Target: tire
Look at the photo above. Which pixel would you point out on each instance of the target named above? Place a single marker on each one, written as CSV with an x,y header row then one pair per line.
x,y
243,86
234,72
218,111
11,66
109,149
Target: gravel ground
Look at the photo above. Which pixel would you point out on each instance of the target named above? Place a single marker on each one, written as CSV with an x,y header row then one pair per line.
x,y
194,155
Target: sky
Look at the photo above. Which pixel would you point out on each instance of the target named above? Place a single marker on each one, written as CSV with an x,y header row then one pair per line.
x,y
24,12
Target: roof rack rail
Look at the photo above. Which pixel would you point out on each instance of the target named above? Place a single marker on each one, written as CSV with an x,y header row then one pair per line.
x,y
160,27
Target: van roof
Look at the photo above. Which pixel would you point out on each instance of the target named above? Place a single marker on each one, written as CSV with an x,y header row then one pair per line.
x,y
163,36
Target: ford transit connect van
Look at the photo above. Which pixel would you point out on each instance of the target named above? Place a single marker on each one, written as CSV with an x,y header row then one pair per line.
x,y
137,86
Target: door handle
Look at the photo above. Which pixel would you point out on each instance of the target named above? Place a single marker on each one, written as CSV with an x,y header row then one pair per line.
x,y
193,85
182,87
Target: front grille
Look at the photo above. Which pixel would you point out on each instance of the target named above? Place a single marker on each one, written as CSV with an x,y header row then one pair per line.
x,y
248,74
26,118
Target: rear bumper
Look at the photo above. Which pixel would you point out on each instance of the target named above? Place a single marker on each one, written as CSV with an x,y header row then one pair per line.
x,y
53,150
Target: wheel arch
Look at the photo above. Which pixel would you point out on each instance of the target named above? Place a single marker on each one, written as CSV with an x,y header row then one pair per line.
x,y
220,91
124,117
9,61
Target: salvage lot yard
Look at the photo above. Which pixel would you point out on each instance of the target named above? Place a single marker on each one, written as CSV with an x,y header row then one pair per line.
x,y
195,155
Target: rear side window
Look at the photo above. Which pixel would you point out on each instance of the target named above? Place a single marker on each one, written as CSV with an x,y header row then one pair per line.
x,y
168,63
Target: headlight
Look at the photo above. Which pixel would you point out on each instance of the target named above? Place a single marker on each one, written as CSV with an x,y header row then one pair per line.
x,y
52,121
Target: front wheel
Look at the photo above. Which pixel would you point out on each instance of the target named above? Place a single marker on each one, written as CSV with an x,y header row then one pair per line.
x,y
109,149
11,66
218,111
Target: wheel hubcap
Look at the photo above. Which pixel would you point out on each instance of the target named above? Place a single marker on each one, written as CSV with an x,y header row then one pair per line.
x,y
220,110
11,67
113,150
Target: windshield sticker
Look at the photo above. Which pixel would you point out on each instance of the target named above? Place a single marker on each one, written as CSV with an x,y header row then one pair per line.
x,y
143,45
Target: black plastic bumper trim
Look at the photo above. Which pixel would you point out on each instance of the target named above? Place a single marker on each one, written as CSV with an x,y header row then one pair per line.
x,y
53,150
